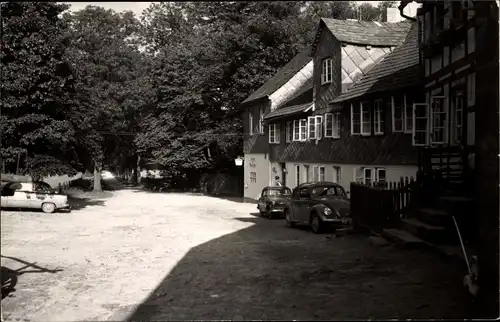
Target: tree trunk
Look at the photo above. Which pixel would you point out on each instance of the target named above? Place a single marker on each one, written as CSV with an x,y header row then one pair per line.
x,y
138,169
97,180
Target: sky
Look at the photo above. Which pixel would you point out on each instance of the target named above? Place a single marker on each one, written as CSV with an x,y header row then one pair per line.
x,y
135,7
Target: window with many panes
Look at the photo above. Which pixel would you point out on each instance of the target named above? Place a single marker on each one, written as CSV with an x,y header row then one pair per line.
x,y
299,130
337,174
355,119
367,175
326,71
274,133
250,122
297,174
261,121
315,127
253,177
397,113
366,118
318,173
378,117
332,125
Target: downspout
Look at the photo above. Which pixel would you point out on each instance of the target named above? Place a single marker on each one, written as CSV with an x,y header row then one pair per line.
x,y
401,8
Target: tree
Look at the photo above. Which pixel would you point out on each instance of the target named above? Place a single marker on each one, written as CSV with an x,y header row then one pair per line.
x,y
37,91
204,69
111,82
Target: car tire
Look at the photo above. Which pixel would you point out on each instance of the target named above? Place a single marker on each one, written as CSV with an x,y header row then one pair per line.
x,y
288,219
316,224
268,212
48,207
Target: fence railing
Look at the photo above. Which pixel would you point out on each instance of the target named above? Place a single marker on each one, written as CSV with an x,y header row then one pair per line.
x,y
380,205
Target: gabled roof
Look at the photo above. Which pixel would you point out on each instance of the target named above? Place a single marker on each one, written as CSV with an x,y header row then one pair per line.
x,y
398,69
282,76
372,33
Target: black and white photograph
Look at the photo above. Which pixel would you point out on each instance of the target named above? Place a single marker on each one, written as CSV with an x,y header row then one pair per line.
x,y
249,160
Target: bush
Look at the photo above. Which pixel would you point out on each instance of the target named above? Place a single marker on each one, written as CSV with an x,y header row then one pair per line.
x,y
84,184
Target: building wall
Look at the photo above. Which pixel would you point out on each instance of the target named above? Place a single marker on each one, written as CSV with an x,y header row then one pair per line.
x,y
258,163
255,143
328,47
393,172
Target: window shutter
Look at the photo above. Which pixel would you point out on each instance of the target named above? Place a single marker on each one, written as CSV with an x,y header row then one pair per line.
x,y
358,175
311,127
318,126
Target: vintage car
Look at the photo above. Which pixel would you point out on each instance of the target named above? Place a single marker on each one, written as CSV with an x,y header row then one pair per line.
x,y
38,195
318,204
273,200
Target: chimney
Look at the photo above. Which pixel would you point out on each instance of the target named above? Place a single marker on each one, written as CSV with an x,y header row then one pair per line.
x,y
393,15
410,10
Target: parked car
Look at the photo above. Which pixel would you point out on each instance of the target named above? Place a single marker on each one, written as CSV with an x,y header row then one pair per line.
x,y
273,200
318,204
37,195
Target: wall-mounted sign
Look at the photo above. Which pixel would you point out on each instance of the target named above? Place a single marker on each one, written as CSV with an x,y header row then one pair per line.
x,y
252,163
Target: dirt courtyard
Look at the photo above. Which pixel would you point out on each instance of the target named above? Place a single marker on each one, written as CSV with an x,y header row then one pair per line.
x,y
156,256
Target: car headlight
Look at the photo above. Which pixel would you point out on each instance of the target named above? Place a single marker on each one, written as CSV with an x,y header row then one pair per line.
x,y
327,211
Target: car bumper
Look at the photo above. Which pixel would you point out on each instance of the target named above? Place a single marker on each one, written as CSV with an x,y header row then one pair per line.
x,y
277,209
65,206
337,221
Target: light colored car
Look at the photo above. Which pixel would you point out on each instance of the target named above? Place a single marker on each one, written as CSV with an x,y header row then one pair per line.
x,y
37,195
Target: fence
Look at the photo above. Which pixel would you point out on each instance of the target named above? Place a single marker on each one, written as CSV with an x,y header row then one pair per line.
x,y
379,205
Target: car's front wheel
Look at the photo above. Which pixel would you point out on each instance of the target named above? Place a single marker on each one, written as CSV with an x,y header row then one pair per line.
x,y
48,207
288,218
316,224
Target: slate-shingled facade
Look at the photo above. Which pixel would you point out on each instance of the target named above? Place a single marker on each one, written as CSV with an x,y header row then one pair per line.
x,y
315,139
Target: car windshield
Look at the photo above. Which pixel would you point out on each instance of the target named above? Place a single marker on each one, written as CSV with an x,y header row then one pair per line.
x,y
328,192
280,192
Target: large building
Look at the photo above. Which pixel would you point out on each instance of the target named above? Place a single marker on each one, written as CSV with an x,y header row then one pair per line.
x,y
339,111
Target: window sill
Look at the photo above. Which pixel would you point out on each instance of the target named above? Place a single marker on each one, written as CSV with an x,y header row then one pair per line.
x,y
326,83
379,134
366,134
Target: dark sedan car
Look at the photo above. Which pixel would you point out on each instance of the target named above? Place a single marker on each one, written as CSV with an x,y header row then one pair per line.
x,y
318,204
273,200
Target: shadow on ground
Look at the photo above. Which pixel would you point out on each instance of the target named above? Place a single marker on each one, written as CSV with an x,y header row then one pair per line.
x,y
10,277
80,203
270,272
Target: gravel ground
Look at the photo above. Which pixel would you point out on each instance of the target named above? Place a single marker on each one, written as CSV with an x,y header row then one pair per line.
x,y
151,256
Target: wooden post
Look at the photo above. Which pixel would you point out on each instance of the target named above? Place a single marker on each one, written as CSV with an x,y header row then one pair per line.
x,y
18,159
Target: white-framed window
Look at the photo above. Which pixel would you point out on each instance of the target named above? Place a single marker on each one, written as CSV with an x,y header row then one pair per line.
x,y
326,71
332,125
303,129
368,175
378,117
288,132
318,173
397,114
408,114
355,119
366,118
296,130
253,177
250,122
297,174
261,121
314,126
300,130
274,133
337,175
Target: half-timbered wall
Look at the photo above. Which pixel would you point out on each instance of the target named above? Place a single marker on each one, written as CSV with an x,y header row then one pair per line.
x,y
449,68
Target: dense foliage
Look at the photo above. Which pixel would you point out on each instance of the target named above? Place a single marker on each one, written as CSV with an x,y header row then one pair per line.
x,y
95,87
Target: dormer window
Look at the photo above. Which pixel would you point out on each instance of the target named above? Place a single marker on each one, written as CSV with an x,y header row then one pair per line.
x,y
326,71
